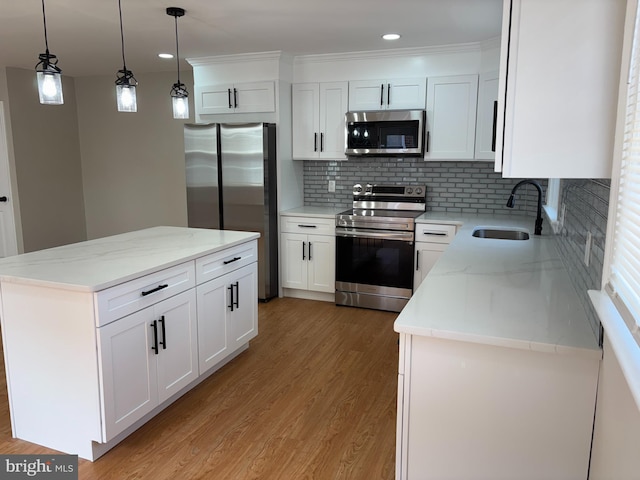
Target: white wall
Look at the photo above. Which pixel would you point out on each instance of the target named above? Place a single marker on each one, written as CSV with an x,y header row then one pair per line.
x,y
132,163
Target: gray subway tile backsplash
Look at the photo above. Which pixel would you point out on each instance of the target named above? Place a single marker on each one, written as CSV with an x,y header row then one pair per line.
x,y
473,187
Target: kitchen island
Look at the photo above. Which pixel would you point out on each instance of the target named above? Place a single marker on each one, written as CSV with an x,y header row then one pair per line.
x,y
99,336
498,364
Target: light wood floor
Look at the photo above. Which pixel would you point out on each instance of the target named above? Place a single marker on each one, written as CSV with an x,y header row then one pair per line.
x,y
314,397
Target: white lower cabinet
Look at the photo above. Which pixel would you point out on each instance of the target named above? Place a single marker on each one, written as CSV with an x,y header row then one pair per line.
x,y
227,315
431,241
472,411
147,357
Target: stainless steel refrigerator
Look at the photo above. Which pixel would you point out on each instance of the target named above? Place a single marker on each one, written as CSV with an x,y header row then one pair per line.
x,y
231,185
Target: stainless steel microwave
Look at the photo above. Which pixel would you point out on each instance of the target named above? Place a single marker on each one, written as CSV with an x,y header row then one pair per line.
x,y
385,133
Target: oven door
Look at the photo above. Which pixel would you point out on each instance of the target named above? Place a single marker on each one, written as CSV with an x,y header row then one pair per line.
x,y
374,268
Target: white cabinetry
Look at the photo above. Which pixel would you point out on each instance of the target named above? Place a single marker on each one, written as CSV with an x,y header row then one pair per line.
x,y
308,256
147,357
318,120
487,116
235,98
119,347
227,315
397,94
451,117
559,73
431,241
510,413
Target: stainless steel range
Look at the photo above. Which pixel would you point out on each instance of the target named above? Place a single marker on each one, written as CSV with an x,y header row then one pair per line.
x,y
375,244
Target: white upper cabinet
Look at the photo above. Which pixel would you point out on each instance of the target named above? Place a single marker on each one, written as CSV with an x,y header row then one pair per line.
x,y
558,92
235,98
451,117
318,125
398,94
486,118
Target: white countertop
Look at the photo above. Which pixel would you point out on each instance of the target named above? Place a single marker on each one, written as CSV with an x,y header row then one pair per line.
x,y
499,292
311,211
98,264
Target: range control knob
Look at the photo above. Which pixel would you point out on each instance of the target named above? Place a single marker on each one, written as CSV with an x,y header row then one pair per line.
x,y
409,190
357,188
418,191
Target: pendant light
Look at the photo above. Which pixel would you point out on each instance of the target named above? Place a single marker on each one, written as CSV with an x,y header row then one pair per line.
x,y
126,83
48,73
179,93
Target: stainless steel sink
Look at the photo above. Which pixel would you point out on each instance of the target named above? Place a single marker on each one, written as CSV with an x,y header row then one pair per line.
x,y
500,233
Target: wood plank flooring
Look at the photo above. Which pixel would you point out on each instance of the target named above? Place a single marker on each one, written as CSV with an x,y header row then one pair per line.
x,y
314,397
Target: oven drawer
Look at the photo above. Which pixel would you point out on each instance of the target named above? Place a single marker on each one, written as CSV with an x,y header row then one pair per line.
x,y
308,225
433,233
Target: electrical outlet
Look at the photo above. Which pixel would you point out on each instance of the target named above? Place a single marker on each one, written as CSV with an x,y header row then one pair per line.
x,y
587,249
332,186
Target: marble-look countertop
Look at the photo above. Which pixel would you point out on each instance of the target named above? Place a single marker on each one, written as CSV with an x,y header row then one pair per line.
x,y
102,263
499,292
311,211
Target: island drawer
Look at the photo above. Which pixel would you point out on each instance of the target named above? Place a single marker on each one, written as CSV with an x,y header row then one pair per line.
x,y
434,233
228,260
312,226
129,297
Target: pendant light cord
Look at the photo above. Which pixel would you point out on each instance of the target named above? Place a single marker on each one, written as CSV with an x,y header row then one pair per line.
x,y
44,19
124,64
177,48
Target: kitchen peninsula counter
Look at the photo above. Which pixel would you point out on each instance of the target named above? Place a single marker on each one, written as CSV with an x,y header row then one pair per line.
x,y
498,365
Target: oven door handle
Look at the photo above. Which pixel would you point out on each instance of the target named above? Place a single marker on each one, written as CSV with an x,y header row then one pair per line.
x,y
401,236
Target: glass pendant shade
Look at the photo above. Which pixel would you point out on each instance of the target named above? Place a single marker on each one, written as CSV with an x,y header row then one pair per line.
x,y
126,98
180,101
50,87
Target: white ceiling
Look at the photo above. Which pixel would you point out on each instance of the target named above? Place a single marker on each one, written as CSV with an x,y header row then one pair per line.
x,y
85,34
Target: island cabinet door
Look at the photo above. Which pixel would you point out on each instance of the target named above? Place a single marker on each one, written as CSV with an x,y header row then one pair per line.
x,y
177,354
128,371
212,322
243,305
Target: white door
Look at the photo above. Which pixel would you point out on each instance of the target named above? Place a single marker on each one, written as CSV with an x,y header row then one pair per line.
x,y
243,317
322,263
427,254
367,95
407,93
305,118
177,343
294,260
333,106
487,113
8,239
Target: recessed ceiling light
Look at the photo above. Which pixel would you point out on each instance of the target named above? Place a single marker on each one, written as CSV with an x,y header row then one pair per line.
x,y
391,36
165,55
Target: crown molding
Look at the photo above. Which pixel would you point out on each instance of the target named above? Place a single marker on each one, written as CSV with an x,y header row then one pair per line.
x,y
239,58
394,52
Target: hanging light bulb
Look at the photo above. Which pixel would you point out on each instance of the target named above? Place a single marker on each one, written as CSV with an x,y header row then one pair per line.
x,y
126,83
179,93
48,73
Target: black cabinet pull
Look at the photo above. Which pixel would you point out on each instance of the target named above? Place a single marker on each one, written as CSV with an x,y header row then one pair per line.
x,y
322,142
153,290
417,260
307,226
230,288
154,347
309,251
237,302
495,120
428,136
381,94
388,94
229,93
164,333
235,98
315,142
3,199
234,259
303,245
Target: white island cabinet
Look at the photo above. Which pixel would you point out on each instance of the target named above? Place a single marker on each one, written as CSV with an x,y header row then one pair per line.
x,y
498,365
100,336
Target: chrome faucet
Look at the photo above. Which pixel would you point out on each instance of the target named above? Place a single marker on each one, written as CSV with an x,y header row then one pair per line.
x,y
511,202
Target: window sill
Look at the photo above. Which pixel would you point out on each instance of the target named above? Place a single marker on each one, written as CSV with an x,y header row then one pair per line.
x,y
624,345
